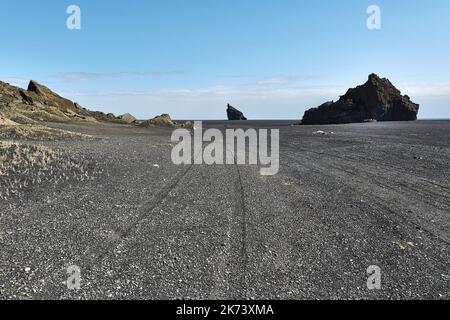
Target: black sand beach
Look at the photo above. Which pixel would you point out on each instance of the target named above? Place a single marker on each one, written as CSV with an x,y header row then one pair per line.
x,y
356,196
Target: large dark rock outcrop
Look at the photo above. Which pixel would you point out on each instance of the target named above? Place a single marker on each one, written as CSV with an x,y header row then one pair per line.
x,y
235,114
377,99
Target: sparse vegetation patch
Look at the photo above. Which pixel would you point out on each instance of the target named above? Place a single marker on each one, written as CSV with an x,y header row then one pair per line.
x,y
25,165
38,133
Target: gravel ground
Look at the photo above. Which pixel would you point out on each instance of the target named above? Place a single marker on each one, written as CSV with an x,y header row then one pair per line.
x,y
357,196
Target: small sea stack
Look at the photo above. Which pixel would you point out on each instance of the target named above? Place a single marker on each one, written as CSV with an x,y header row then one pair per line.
x,y
234,114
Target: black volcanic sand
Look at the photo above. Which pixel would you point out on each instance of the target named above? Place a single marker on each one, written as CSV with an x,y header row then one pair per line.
x,y
368,194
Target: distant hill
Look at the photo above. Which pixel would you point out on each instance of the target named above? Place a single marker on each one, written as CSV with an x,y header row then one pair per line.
x,y
38,103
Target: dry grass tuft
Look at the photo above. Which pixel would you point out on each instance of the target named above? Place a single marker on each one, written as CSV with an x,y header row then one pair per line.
x,y
37,133
5,121
53,115
24,165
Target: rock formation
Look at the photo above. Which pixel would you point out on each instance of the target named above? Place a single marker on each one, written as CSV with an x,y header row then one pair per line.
x,y
235,114
163,120
39,104
128,118
376,100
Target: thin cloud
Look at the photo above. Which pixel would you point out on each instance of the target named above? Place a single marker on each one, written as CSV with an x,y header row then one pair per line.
x,y
83,76
274,81
235,76
426,89
285,80
276,88
255,91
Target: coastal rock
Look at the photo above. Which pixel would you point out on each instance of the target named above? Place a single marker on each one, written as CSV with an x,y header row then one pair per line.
x,y
128,118
40,104
46,96
235,114
376,100
27,98
163,120
35,87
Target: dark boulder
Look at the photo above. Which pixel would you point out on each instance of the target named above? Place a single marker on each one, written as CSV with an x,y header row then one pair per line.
x,y
235,114
377,100
39,89
28,99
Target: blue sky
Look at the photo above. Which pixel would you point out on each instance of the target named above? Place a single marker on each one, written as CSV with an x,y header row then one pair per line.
x,y
270,58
